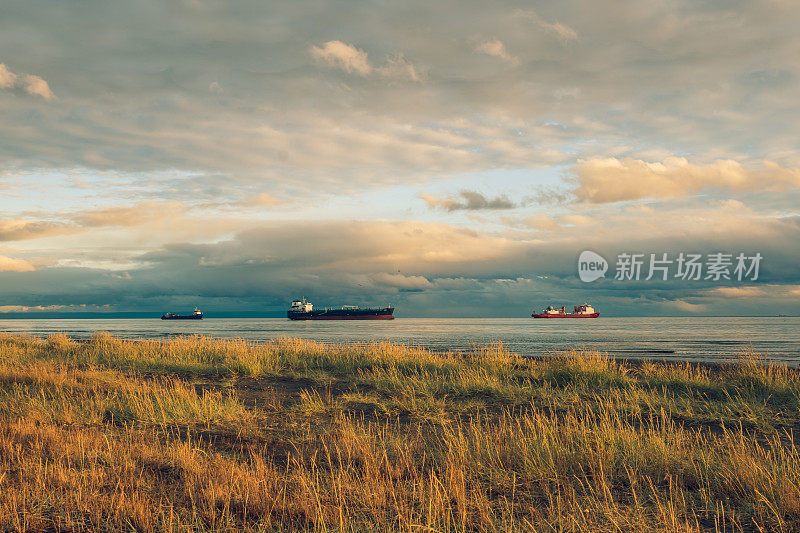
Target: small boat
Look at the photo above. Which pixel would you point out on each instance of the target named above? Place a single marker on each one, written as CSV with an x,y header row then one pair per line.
x,y
302,310
196,315
581,311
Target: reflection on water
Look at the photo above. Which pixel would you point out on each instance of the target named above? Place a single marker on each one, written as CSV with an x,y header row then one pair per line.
x,y
684,338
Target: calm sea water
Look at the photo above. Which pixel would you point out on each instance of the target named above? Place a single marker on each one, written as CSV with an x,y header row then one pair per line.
x,y
671,338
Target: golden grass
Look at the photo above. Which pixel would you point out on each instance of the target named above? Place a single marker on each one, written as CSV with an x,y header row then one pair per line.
x,y
199,434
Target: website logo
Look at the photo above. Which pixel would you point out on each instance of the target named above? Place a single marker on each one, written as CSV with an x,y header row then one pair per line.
x,y
688,266
591,266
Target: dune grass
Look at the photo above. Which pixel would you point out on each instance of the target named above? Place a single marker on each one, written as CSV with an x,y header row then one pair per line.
x,y
202,434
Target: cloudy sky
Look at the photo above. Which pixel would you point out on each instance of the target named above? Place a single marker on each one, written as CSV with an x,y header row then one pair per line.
x,y
449,158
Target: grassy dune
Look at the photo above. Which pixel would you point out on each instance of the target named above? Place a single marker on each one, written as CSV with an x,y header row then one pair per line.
x,y
205,435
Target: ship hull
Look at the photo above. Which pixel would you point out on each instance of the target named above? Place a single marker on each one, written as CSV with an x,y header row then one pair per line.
x,y
343,314
182,317
565,315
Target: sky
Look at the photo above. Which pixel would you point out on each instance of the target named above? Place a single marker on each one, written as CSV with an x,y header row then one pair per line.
x,y
447,158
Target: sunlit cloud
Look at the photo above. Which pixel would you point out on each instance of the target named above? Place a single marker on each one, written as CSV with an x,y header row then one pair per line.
x,y
20,230
10,264
769,292
7,78
683,305
130,216
33,308
354,61
496,48
260,199
37,86
29,83
612,179
344,56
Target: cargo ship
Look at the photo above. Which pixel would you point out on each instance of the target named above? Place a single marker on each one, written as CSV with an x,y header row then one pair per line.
x,y
196,315
581,311
302,310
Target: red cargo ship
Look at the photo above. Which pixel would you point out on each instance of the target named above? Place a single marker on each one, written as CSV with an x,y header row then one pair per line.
x,y
581,311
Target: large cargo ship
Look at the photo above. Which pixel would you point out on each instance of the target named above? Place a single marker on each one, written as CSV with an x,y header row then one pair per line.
x,y
302,310
581,311
196,315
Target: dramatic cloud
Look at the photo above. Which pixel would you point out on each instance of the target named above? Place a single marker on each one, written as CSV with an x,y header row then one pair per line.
x,y
612,180
353,247
30,83
716,83
423,268
469,200
498,49
344,56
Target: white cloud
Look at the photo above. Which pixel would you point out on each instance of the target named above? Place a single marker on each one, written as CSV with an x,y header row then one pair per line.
x,y
344,56
496,48
30,83
355,61
7,78
37,86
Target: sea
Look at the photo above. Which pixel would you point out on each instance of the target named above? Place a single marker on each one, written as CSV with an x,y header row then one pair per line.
x,y
706,339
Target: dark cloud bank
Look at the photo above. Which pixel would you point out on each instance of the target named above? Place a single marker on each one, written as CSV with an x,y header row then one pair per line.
x,y
417,267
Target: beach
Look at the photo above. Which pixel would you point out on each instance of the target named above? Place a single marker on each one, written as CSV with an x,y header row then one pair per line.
x,y
695,339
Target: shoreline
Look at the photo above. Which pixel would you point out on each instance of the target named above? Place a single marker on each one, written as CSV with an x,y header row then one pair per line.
x,y
554,353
